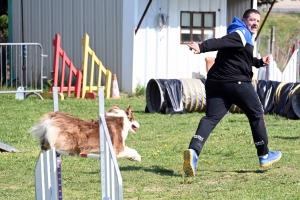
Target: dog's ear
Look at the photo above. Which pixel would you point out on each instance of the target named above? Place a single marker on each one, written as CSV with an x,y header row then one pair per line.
x,y
116,106
113,108
128,110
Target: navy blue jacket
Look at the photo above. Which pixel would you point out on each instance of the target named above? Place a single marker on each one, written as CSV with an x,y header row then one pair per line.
x,y
234,59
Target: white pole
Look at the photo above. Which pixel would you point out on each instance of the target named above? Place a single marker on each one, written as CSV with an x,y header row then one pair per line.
x,y
297,46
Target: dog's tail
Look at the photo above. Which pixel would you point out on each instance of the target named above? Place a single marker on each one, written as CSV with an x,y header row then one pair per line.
x,y
40,131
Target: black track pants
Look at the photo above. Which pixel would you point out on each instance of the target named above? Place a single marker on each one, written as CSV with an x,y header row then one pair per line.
x,y
219,98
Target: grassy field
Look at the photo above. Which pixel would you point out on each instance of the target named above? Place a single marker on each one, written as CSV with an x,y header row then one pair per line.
x,y
287,30
228,167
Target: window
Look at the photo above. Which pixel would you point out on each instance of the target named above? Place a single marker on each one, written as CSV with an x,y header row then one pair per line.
x,y
197,26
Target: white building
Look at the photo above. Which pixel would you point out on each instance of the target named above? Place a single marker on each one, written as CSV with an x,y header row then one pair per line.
x,y
136,39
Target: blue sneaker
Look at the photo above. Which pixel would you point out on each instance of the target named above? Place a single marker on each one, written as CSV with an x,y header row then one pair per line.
x,y
273,156
190,161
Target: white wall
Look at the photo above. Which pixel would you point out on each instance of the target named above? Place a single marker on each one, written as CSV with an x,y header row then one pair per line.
x,y
159,54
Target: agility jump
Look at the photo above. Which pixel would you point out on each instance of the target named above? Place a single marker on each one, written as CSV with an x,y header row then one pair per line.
x,y
48,176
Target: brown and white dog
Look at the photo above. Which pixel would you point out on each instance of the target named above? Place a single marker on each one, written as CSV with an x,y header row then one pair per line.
x,y
68,133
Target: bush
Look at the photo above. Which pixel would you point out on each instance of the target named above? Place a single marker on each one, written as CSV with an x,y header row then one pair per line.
x,y
4,26
140,90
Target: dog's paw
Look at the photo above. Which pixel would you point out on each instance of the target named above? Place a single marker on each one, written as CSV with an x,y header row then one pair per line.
x,y
136,157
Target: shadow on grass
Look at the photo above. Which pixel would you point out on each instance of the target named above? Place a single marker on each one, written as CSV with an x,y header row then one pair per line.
x,y
167,172
140,111
245,171
287,138
153,169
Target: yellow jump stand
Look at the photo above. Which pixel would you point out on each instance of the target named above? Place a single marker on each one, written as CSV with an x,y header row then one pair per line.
x,y
89,90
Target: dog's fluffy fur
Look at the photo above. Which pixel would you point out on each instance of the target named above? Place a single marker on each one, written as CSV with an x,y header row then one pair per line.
x,y
68,133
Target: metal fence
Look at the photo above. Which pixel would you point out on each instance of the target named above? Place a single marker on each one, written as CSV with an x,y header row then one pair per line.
x,y
21,69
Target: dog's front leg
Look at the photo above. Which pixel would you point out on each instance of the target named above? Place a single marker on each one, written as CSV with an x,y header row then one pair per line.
x,y
130,154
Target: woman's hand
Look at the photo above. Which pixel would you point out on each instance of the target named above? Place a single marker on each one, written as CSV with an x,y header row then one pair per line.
x,y
194,46
266,60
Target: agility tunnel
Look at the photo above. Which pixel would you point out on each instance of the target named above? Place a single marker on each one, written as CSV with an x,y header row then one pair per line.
x,y
170,96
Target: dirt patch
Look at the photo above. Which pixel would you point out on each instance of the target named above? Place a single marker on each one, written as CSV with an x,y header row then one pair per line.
x,y
130,190
156,188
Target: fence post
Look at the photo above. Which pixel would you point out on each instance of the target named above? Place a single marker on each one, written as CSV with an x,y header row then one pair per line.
x,y
55,98
297,46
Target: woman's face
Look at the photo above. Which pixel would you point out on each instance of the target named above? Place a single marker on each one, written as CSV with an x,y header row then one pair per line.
x,y
252,22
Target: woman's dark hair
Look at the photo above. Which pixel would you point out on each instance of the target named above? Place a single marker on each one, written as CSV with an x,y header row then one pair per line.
x,y
249,11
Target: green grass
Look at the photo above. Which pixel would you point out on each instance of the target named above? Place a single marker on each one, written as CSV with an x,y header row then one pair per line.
x,y
228,167
287,30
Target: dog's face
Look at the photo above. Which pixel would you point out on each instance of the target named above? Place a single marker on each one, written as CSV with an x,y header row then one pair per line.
x,y
135,125
127,114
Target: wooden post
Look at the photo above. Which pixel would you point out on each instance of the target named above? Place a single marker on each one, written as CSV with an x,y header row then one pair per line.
x,y
272,48
265,19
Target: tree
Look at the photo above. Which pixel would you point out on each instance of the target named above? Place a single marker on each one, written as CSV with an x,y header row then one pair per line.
x,y
4,26
3,19
3,7
265,2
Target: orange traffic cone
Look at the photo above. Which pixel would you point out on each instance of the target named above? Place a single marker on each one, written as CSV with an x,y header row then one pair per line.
x,y
115,88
